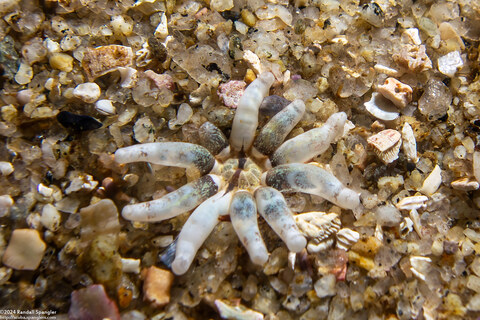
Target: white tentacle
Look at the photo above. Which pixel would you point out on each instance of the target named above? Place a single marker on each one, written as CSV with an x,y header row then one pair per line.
x,y
197,228
177,202
246,117
312,143
243,214
273,208
298,177
177,154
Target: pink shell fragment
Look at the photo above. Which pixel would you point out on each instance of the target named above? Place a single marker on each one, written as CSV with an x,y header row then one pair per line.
x,y
160,80
230,92
92,303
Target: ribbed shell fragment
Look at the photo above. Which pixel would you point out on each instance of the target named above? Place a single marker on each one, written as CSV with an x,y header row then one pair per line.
x,y
386,145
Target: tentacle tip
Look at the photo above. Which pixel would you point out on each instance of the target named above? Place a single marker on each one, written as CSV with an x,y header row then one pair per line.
x,y
348,199
180,265
119,156
128,213
259,258
297,243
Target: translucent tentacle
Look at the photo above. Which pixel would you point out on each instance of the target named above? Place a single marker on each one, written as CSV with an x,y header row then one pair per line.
x,y
273,208
212,138
310,144
177,202
243,214
277,129
297,177
197,228
177,154
246,118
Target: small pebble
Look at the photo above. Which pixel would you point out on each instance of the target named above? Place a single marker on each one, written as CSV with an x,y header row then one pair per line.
x,y
25,250
61,61
450,63
156,285
88,92
6,202
231,92
50,218
78,122
325,286
6,168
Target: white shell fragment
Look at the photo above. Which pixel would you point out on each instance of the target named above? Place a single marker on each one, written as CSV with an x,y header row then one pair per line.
x,y
184,114
386,145
50,218
162,29
412,36
406,226
420,266
238,312
346,238
25,250
381,108
409,143
432,182
450,63
88,92
465,184
6,168
318,227
397,92
105,107
414,202
417,224
131,265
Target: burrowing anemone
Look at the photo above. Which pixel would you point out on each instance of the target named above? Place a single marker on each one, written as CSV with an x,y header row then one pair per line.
x,y
242,176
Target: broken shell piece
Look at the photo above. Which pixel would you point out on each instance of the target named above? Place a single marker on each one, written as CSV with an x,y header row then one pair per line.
x,y
414,58
450,63
417,225
381,108
412,35
239,312
105,107
131,265
346,238
410,203
386,145
184,114
406,226
465,184
101,60
420,266
432,182
88,92
397,92
318,227
409,143
25,250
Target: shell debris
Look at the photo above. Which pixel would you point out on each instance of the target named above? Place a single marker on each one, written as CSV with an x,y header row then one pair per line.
x,y
237,312
409,143
386,145
397,92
